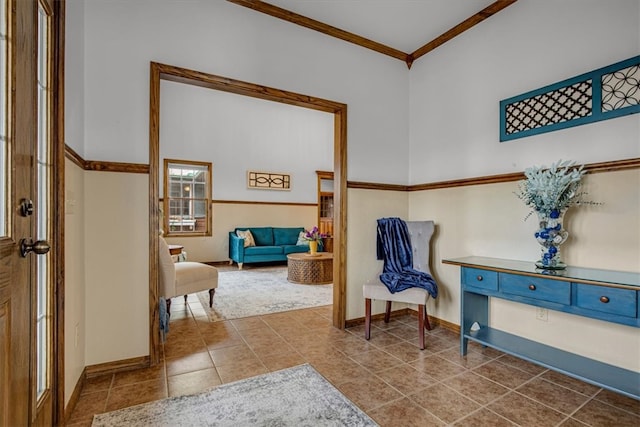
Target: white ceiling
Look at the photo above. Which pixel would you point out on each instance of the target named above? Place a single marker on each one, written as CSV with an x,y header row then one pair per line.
x,y
405,25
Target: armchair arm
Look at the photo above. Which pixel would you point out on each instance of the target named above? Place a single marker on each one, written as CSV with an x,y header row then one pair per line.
x,y
236,247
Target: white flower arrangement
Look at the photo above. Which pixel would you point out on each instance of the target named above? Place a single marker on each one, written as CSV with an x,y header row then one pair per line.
x,y
552,190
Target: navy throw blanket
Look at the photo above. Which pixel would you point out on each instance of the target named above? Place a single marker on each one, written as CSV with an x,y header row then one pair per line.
x,y
394,246
164,319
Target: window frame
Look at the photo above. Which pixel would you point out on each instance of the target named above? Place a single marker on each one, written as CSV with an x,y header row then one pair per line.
x,y
166,199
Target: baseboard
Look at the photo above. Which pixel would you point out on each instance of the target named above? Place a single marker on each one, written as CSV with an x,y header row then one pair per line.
x,y
102,369
117,366
73,400
434,321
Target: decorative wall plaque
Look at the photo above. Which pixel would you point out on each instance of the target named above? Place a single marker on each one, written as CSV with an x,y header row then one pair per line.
x,y
268,180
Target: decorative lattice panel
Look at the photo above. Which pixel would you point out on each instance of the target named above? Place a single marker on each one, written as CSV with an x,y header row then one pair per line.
x,y
599,95
621,89
268,180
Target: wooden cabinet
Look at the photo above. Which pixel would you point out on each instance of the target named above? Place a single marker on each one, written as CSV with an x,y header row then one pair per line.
x,y
325,209
606,295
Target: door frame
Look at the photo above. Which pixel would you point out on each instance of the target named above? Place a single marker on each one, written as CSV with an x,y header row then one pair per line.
x,y
159,72
58,201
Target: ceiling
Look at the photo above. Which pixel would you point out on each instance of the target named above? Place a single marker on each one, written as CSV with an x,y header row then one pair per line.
x,y
403,29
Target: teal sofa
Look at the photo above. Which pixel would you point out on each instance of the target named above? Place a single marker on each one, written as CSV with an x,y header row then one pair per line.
x,y
272,244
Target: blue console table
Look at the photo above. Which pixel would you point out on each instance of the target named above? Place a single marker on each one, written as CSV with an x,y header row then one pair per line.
x,y
607,295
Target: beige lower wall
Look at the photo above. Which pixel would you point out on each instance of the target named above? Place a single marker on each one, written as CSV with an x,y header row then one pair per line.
x,y
364,208
477,220
487,220
228,216
74,282
117,266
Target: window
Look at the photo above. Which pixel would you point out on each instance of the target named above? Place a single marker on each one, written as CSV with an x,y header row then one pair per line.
x,y
44,170
187,198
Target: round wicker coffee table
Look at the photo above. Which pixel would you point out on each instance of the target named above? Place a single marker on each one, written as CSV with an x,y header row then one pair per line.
x,y
310,270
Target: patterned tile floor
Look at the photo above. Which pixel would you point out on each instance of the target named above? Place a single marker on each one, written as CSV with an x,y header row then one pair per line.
x,y
388,377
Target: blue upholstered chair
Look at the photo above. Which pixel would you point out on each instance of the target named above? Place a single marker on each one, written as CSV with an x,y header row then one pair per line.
x,y
420,233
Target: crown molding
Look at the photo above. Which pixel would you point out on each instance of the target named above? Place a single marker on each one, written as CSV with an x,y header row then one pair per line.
x,y
408,58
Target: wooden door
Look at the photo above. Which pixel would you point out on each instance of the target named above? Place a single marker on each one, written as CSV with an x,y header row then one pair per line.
x,y
24,96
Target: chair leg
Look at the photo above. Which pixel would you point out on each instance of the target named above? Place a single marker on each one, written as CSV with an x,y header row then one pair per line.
x,y
421,313
211,292
185,299
367,318
426,319
387,313
240,265
168,300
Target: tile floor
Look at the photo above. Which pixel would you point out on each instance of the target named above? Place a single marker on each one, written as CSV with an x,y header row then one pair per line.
x,y
388,377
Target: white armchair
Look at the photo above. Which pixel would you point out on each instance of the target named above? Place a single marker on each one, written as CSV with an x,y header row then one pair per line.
x,y
183,278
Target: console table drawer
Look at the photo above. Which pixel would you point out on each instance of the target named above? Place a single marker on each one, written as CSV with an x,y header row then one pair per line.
x,y
480,278
622,302
533,287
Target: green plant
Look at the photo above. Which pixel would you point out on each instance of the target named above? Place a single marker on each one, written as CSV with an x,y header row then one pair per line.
x,y
556,188
314,235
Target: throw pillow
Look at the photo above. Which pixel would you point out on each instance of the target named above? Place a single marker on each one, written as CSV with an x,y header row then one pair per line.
x,y
301,239
247,236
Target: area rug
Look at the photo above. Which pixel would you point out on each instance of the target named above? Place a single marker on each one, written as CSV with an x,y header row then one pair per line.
x,y
297,396
244,293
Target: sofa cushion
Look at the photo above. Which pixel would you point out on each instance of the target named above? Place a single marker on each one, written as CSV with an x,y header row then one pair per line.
x,y
294,249
247,236
263,250
302,240
263,236
286,235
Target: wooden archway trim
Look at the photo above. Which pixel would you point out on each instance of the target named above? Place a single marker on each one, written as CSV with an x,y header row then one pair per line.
x,y
159,72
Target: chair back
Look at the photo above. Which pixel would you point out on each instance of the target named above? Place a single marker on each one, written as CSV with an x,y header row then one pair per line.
x,y
167,273
420,233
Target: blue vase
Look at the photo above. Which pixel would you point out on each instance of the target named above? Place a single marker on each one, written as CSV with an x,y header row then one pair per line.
x,y
550,236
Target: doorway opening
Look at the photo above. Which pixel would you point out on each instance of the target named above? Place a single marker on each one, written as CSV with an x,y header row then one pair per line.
x,y
165,72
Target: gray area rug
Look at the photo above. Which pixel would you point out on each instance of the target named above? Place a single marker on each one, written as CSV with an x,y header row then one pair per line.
x,y
244,293
297,396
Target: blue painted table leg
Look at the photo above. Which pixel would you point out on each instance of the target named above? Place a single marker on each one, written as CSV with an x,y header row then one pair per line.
x,y
474,308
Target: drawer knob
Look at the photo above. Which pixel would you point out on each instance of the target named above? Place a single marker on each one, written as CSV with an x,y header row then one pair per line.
x,y
604,299
532,287
479,278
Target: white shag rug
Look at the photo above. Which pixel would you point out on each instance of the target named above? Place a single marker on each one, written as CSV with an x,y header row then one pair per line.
x,y
297,396
244,293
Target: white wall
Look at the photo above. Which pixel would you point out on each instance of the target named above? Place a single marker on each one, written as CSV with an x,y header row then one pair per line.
x,y
225,39
456,89
74,77
238,134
